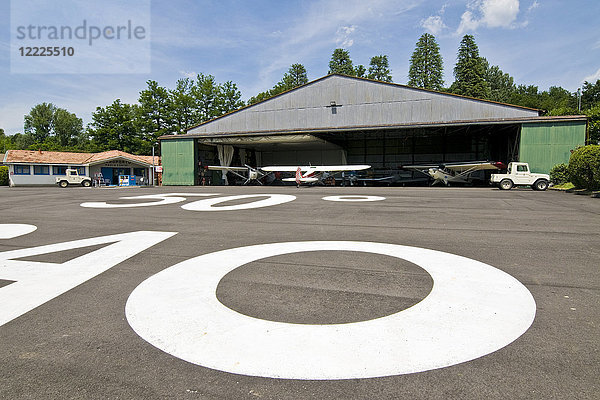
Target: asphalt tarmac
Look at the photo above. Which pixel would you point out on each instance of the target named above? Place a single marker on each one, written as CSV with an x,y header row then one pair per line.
x,y
81,344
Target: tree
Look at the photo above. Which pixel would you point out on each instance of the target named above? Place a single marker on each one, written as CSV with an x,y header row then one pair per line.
x,y
155,112
40,121
20,141
294,77
52,128
526,96
68,129
184,105
558,101
469,72
360,71
206,93
594,124
113,128
426,66
502,85
590,94
230,97
4,142
341,63
260,97
379,69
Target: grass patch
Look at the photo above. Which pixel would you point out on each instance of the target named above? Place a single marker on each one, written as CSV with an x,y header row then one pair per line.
x,y
564,186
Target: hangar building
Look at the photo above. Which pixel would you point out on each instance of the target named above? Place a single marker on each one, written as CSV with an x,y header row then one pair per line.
x,y
340,119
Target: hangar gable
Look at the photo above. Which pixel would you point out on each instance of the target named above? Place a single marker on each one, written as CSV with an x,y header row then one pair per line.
x,y
339,102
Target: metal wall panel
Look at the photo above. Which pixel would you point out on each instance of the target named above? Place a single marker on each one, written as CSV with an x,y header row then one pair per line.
x,y
179,162
363,103
543,145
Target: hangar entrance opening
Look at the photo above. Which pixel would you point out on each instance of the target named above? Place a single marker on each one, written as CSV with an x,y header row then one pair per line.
x,y
386,150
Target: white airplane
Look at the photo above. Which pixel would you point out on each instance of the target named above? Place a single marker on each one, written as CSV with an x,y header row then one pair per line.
x,y
313,174
455,172
251,174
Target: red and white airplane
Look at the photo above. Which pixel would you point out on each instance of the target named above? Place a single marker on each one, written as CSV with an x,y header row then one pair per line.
x,y
305,175
312,174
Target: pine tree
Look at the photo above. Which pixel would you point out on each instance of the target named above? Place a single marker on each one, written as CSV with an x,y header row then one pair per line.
x,y
341,63
379,69
426,65
469,72
296,76
155,112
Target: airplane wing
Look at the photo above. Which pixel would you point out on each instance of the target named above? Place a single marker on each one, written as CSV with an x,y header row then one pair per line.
x,y
459,167
475,166
221,168
316,168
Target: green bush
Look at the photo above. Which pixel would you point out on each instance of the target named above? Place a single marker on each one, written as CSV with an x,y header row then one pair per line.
x,y
559,174
584,167
3,176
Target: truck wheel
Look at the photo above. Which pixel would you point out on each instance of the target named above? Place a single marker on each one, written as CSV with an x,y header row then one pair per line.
x,y
505,184
63,184
540,184
86,183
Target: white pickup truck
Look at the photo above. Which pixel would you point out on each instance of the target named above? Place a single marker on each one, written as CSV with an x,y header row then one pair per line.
x,y
72,177
520,175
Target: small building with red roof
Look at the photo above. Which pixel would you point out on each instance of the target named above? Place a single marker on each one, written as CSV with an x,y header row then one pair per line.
x,y
33,168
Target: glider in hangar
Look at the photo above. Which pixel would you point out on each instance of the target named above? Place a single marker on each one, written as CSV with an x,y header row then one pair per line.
x,y
455,172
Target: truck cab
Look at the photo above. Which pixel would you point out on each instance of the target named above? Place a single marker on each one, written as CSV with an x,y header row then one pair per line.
x,y
519,174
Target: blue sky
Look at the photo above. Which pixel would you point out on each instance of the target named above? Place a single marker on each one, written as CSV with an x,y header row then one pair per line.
x,y
253,43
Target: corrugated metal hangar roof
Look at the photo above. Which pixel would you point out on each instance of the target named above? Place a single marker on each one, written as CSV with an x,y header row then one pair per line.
x,y
339,102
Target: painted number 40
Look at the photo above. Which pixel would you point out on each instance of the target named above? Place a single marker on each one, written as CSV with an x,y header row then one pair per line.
x,y
472,310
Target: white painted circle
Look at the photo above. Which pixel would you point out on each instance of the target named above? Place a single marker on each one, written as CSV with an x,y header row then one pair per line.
x,y
353,198
9,231
209,204
472,310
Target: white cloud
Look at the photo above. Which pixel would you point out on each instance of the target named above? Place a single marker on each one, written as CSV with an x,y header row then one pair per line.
x,y
467,23
592,78
533,6
500,13
490,14
342,36
189,74
434,24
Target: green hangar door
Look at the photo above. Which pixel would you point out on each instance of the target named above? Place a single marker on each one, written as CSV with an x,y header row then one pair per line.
x,y
545,144
179,162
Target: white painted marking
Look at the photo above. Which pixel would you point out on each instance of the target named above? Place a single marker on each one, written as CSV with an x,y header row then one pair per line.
x,y
209,204
39,282
167,198
353,198
9,231
472,310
